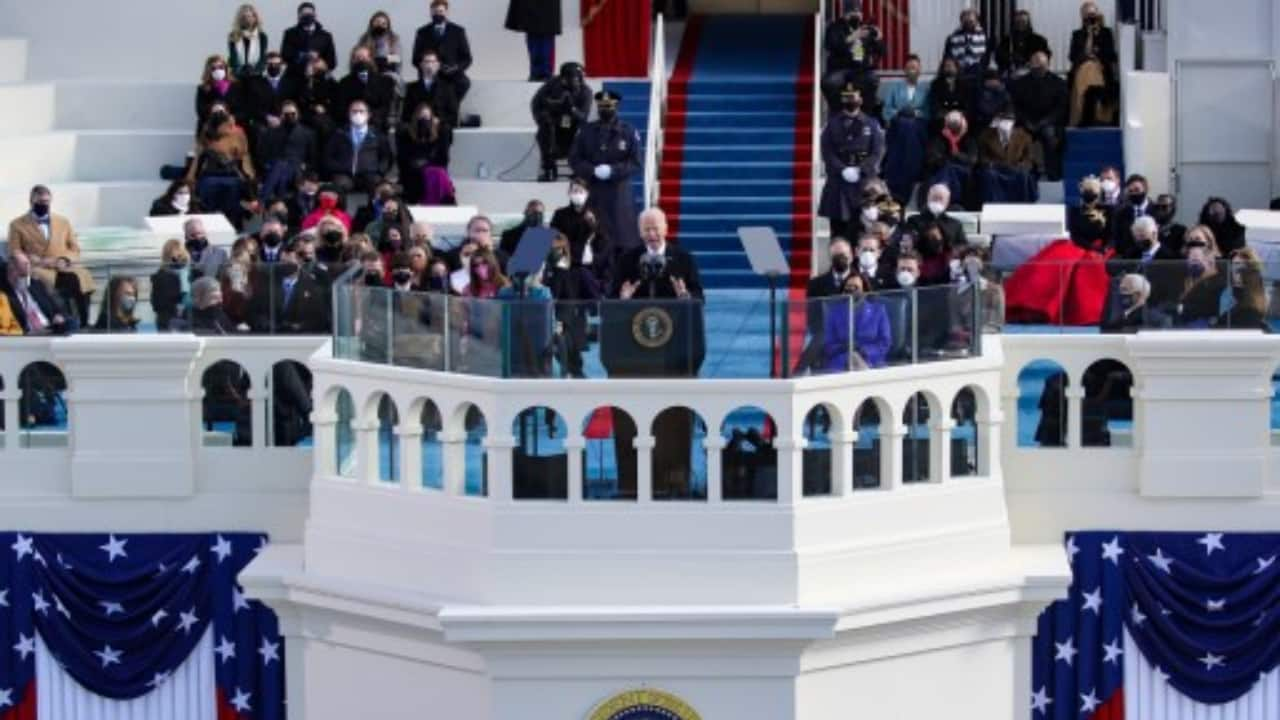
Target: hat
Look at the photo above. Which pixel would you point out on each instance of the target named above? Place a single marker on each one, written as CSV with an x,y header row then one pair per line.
x,y
608,99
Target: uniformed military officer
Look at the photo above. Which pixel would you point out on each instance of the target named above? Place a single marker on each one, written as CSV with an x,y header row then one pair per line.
x,y
852,148
606,153
559,108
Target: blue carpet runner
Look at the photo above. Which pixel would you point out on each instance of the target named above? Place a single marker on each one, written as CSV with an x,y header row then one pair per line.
x,y
737,145
635,110
1088,151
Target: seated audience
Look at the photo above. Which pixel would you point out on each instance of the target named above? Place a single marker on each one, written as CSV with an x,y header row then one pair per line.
x,y
911,96
588,243
1134,205
824,285
1007,166
969,270
949,92
383,43
1172,233
433,91
534,214
1248,300
50,244
266,93
286,150
218,88
318,100
853,49
419,264
449,41
856,335
116,312
222,166
480,238
1089,223
422,235
247,43
1161,265
967,45
365,83
307,42
206,260
951,156
559,108
1109,183
38,311
271,241
657,269
171,286
178,199
1094,85
423,152
1134,310
991,98
9,325
1201,301
238,281
1015,49
934,256
207,315
485,276
1218,216
357,156
1040,98
372,209
935,211
875,269
305,199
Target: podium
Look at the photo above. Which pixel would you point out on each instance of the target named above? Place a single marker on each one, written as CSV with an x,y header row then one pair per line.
x,y
642,338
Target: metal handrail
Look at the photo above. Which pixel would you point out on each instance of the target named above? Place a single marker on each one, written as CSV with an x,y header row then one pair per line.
x,y
657,107
816,136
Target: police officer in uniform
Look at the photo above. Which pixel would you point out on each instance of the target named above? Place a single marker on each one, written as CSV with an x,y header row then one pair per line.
x,y
560,106
852,148
607,153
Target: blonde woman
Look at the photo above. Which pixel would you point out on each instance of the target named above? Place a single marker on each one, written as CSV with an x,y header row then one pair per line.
x,y
383,43
171,286
247,43
1248,293
1204,283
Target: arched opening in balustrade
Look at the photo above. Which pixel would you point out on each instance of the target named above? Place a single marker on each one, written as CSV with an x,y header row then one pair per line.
x,y
475,461
540,461
344,444
867,451
964,433
917,441
679,455
289,405
609,455
1106,414
432,449
388,443
226,410
817,460
748,461
1042,404
42,406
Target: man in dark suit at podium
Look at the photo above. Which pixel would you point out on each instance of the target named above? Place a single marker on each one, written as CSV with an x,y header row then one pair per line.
x,y
656,269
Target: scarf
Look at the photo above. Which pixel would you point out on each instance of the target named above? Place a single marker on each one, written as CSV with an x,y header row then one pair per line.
x,y
222,86
953,139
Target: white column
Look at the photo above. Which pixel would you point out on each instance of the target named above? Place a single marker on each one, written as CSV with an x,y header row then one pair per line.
x,y
940,449
990,434
842,444
790,469
573,446
453,453
368,468
1075,415
410,438
324,428
714,444
9,400
258,413
499,451
891,458
644,445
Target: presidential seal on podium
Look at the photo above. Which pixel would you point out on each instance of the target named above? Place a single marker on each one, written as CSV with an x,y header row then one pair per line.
x,y
652,328
644,704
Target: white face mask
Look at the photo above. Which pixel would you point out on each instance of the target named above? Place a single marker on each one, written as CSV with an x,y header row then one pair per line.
x,y
578,199
359,119
867,260
1004,126
218,75
182,201
956,269
906,279
1109,186
563,263
871,214
937,208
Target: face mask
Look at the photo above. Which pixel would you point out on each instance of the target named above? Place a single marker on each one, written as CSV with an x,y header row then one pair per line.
x,y
402,277
271,239
483,272
373,277
40,209
1145,242
328,202
359,119
1127,301
852,106
1004,126
607,115
871,214
578,199
307,21
956,268
1217,215
332,237
379,31
1137,198
197,243
273,71
533,219
1162,214
177,265
1194,268
439,18
218,75
867,260
290,120
840,263
906,279
1109,186
1038,70
937,208
973,268
127,304
424,126
1089,197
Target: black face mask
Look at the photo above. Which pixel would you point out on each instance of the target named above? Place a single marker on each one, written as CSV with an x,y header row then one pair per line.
x,y
307,21
840,263
533,219
402,276
40,209
1137,198
439,19
436,284
1162,214
607,115
379,31
1089,197
852,106
287,269
373,278
271,239
274,70
290,121
197,244
424,126
332,237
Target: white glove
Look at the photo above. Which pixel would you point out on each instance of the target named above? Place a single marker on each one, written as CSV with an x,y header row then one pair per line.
x,y
604,172
851,174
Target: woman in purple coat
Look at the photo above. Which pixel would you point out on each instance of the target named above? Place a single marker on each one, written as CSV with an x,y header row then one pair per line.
x,y
869,327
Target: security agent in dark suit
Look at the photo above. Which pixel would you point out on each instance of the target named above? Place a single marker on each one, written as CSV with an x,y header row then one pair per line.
x,y
657,269
560,106
449,40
